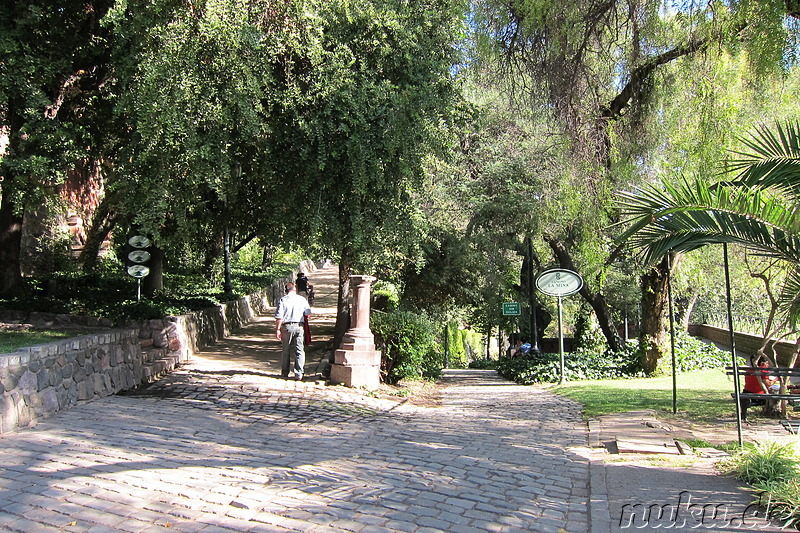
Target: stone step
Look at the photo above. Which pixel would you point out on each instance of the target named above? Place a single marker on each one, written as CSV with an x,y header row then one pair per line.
x,y
159,367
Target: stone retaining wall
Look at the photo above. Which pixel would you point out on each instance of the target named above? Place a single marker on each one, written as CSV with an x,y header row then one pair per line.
x,y
38,381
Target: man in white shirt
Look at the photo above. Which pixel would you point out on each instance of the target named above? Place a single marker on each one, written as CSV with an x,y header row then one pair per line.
x,y
289,318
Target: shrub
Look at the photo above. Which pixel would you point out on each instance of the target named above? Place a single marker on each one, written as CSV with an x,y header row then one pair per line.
x,y
546,367
463,345
385,296
693,354
110,293
483,364
773,469
768,462
406,341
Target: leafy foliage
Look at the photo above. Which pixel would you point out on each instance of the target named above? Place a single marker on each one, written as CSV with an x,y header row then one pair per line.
x,y
406,341
110,293
756,209
693,354
546,367
690,354
773,469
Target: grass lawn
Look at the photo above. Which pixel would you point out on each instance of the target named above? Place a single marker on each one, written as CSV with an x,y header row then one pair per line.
x,y
11,340
703,395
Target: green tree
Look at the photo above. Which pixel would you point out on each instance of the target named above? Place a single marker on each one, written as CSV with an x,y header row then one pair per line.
x,y
603,69
54,86
328,107
756,208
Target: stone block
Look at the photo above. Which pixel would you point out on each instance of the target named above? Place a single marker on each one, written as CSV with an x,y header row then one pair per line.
x,y
50,401
28,384
10,382
85,390
352,357
160,339
42,379
23,412
367,377
98,385
8,414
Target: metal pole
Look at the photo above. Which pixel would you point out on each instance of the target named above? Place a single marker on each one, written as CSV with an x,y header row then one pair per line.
x,y
138,289
561,340
733,345
672,335
626,325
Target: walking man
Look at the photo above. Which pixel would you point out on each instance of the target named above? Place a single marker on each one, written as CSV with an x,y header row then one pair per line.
x,y
289,318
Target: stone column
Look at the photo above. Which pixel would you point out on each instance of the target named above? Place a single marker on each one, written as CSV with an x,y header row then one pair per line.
x,y
356,363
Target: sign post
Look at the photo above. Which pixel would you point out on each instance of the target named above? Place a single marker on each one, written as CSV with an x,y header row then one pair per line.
x,y
559,282
511,308
138,256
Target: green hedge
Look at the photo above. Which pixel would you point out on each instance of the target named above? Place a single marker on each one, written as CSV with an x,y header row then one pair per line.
x,y
690,354
407,344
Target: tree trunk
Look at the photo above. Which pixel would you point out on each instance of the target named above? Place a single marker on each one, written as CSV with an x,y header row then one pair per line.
x,y
11,214
155,279
687,311
343,301
10,246
653,329
595,299
103,221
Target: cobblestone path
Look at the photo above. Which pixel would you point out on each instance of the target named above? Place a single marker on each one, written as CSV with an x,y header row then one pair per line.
x,y
226,451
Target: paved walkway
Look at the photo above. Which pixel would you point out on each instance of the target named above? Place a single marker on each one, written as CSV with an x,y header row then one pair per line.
x,y
223,445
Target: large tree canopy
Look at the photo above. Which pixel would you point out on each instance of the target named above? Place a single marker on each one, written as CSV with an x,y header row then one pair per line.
x,y
54,79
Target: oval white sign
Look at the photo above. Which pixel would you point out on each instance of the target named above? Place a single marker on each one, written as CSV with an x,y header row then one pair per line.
x,y
139,256
138,271
139,241
559,282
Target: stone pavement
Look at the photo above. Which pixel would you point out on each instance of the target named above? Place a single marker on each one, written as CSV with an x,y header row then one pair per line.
x,y
224,445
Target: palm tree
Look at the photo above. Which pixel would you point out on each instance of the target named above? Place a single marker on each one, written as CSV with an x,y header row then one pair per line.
x,y
757,208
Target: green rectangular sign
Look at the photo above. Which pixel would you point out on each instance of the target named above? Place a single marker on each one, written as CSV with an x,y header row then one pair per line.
x,y
511,308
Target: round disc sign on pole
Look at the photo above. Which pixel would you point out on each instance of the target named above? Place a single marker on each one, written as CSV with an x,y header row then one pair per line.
x,y
138,256
138,271
559,282
139,241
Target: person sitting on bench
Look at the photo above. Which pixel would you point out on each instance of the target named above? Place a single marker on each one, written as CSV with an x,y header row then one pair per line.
x,y
756,382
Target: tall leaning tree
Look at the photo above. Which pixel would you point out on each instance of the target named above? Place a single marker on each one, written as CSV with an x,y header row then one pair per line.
x,y
596,64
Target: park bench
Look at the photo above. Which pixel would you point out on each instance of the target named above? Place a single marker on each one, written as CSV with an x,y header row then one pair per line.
x,y
748,398
792,426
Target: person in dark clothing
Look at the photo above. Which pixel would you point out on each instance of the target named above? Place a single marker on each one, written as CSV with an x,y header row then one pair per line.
x,y
301,284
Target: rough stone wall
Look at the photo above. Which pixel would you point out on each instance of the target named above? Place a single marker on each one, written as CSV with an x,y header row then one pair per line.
x,y
38,381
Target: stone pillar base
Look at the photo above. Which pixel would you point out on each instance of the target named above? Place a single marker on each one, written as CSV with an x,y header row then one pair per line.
x,y
359,376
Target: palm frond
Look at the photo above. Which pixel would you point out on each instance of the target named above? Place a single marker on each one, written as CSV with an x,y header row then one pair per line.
x,y
789,299
773,160
686,215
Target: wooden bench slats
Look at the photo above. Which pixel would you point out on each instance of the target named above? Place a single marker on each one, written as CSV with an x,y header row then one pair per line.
x,y
792,426
754,396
